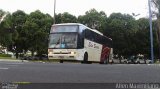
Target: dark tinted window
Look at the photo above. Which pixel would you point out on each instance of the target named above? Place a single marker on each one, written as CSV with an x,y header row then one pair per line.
x,y
93,36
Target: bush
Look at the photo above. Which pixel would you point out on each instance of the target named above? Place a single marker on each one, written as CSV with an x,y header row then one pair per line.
x,y
5,55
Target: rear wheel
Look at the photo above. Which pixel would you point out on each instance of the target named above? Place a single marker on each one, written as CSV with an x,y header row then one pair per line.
x,y
112,62
106,60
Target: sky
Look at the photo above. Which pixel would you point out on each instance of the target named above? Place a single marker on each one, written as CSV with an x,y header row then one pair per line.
x,y
78,7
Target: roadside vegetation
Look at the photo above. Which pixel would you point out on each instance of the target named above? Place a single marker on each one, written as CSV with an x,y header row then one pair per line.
x,y
21,32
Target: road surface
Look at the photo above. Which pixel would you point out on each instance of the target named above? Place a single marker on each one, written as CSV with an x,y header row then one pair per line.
x,y
40,72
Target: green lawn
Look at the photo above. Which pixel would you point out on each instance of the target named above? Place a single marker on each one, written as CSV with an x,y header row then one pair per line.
x,y
8,58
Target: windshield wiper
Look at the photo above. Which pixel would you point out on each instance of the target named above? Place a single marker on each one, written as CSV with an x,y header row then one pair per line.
x,y
58,42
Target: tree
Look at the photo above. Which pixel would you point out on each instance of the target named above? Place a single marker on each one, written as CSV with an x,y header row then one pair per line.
x,y
5,32
2,14
13,35
94,19
65,18
18,19
142,36
121,28
156,5
38,27
20,32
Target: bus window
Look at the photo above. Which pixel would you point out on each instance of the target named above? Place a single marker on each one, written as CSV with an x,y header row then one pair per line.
x,y
64,28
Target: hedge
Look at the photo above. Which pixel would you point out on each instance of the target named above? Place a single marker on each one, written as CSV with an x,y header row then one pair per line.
x,y
5,55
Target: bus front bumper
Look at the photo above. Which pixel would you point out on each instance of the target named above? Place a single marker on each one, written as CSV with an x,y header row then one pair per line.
x,y
62,57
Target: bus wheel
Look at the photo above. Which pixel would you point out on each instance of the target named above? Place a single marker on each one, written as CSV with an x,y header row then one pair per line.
x,y
61,61
85,59
105,61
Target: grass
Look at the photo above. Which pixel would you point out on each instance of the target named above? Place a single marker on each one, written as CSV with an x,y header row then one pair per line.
x,y
22,82
157,62
8,58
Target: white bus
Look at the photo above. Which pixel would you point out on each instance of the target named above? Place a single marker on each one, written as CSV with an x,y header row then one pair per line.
x,y
74,41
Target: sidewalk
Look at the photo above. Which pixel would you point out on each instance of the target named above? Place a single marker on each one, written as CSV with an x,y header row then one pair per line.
x,y
13,60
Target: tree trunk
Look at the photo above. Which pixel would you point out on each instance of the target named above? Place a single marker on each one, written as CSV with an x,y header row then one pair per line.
x,y
16,55
32,53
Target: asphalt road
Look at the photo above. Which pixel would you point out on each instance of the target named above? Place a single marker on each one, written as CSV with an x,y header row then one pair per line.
x,y
38,72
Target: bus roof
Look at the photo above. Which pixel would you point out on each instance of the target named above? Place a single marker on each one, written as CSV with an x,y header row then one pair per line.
x,y
67,24
79,25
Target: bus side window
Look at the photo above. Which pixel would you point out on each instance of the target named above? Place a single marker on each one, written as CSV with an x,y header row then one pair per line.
x,y
99,40
80,39
90,35
87,34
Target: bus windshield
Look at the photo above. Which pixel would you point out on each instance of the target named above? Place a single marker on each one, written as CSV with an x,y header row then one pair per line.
x,y
63,40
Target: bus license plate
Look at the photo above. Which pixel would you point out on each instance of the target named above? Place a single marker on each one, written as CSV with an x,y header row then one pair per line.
x,y
61,56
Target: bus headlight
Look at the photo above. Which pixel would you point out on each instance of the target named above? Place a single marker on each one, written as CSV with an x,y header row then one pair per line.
x,y
50,51
73,53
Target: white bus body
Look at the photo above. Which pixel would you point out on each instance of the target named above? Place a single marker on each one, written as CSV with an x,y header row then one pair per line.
x,y
74,41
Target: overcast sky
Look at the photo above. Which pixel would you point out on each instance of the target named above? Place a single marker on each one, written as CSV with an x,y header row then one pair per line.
x,y
77,7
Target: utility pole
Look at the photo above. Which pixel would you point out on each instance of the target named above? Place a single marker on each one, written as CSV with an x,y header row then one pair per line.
x,y
54,11
151,34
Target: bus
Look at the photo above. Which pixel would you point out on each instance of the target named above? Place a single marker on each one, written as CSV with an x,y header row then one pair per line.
x,y
77,42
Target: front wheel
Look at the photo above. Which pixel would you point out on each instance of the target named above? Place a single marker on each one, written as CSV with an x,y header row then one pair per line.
x,y
61,61
85,58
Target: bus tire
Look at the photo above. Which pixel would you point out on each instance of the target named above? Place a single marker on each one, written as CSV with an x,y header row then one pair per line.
x,y
105,61
61,61
85,59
